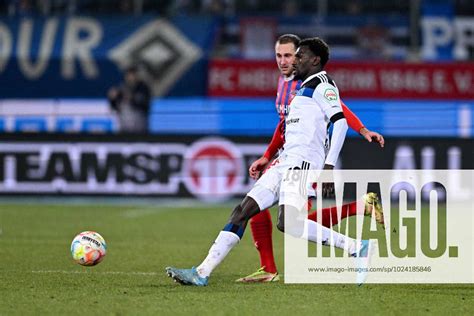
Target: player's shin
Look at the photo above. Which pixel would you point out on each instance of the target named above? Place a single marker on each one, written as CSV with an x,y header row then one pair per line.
x,y
229,237
225,241
329,215
261,227
315,232
298,225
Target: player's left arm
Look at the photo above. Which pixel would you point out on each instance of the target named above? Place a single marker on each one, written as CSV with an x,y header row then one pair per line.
x,y
352,120
356,124
372,136
328,97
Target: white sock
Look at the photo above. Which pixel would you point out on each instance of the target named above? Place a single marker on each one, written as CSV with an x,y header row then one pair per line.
x,y
337,240
224,242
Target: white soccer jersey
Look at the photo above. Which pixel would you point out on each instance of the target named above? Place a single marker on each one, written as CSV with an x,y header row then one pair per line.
x,y
306,132
314,106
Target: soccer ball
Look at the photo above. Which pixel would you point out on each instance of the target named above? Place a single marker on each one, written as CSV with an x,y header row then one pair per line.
x,y
88,248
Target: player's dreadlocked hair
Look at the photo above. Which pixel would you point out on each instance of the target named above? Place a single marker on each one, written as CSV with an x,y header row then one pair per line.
x,y
289,38
318,47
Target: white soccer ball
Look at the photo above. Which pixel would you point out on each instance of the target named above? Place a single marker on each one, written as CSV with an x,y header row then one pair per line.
x,y
88,248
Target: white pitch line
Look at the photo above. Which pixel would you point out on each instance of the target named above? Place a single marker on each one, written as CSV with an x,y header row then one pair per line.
x,y
101,272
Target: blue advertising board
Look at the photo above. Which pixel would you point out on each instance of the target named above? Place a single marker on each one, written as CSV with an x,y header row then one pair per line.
x,y
78,56
257,117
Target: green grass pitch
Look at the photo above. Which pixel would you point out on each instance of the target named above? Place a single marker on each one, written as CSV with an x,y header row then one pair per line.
x,y
38,276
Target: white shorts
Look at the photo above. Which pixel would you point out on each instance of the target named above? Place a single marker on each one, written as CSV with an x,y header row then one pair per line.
x,y
284,182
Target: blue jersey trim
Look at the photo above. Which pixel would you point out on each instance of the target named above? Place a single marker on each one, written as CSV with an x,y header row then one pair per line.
x,y
305,92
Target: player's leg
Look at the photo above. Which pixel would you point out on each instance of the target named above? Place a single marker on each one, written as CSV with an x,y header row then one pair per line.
x,y
261,226
292,220
229,236
260,197
328,215
227,239
313,231
293,200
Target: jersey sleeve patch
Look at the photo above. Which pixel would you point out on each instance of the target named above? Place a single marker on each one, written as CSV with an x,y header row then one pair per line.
x,y
330,94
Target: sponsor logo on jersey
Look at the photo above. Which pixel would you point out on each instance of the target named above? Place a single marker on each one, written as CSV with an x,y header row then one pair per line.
x,y
283,109
292,121
330,94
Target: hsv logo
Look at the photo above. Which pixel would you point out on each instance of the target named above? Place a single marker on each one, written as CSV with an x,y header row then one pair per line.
x,y
213,169
162,49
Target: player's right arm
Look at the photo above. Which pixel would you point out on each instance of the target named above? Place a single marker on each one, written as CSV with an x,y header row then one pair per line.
x,y
275,144
277,141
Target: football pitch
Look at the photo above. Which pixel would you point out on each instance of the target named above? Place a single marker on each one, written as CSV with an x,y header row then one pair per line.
x,y
38,276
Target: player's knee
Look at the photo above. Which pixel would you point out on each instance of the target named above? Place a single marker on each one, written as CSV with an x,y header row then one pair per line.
x,y
244,211
237,215
281,225
281,219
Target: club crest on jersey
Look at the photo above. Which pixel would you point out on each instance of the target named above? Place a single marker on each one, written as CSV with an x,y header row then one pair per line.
x,y
330,94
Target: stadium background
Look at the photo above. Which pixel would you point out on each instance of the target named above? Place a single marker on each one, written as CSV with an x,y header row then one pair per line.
x,y
406,68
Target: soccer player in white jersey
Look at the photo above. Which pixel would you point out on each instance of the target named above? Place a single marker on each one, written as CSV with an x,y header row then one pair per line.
x,y
315,105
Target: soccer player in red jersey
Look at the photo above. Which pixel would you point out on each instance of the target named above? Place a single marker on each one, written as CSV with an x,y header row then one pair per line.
x,y
261,224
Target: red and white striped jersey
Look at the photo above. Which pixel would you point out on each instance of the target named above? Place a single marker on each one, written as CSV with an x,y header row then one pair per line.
x,y
287,88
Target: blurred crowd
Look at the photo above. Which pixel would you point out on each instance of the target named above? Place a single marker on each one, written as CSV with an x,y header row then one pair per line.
x,y
219,7
216,7
369,23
